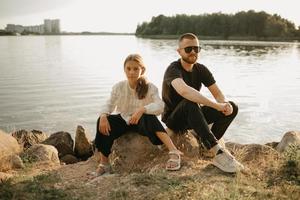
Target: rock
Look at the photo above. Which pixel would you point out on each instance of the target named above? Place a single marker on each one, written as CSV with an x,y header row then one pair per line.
x,y
4,176
272,144
186,143
83,148
16,162
42,152
9,149
132,151
28,138
250,152
291,137
62,141
69,159
11,162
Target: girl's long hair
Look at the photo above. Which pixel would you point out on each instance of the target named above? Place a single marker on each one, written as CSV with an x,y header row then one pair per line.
x,y
142,84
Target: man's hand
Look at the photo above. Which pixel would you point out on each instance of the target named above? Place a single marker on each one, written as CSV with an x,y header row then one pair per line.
x,y
220,107
228,109
137,115
104,126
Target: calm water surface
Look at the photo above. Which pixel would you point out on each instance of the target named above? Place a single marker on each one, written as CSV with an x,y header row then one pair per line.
x,y
54,83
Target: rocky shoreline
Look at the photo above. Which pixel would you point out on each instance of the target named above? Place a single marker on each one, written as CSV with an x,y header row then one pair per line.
x,y
133,155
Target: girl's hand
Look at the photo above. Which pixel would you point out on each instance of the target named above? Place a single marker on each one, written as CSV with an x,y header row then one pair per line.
x,y
104,126
137,115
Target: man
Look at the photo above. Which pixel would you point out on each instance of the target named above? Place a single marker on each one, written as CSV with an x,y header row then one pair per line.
x,y
186,108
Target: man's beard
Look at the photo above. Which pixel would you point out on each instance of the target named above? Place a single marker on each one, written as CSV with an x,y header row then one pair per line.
x,y
190,59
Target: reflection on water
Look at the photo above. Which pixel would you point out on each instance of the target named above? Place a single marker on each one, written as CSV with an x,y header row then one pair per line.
x,y
54,83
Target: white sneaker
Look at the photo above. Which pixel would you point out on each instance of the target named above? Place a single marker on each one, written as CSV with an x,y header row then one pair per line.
x,y
227,163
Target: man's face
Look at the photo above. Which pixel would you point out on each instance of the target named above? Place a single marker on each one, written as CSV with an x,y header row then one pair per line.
x,y
188,50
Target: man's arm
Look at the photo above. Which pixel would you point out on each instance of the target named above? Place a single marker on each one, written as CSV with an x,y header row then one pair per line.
x,y
219,97
217,93
193,95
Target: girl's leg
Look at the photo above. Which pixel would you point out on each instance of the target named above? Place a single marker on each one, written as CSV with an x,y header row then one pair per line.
x,y
104,143
150,126
103,159
164,137
174,163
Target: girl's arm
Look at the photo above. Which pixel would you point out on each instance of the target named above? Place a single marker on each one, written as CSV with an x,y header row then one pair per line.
x,y
156,106
107,108
110,103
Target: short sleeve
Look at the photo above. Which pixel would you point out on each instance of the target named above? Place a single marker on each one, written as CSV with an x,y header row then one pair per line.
x,y
206,76
172,73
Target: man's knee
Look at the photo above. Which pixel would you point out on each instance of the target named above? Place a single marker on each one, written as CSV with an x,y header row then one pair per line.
x,y
187,104
235,108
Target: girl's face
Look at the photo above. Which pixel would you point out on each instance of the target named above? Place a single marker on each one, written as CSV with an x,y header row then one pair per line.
x,y
133,70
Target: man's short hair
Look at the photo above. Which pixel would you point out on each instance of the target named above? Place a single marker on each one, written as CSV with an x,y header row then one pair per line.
x,y
190,36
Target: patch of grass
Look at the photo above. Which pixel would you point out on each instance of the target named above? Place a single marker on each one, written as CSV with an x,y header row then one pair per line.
x,y
160,180
39,188
120,194
287,170
27,159
291,165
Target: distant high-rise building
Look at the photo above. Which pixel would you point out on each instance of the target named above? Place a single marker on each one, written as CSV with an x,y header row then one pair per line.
x,y
14,28
51,26
47,26
55,26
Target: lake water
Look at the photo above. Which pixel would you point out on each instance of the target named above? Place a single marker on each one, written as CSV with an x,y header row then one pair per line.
x,y
54,83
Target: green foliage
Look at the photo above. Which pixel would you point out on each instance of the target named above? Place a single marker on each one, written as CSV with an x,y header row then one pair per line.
x,y
39,187
27,159
291,166
245,24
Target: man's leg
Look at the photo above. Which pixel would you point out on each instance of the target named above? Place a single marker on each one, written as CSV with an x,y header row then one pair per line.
x,y
191,114
219,120
188,115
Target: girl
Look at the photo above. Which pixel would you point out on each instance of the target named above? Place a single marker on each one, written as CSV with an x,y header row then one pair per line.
x,y
136,103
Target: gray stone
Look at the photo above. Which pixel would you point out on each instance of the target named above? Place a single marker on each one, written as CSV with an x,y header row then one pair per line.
x,y
83,148
28,138
42,152
9,149
62,141
291,137
69,159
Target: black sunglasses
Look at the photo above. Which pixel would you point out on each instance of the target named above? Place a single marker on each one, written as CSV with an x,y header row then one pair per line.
x,y
189,49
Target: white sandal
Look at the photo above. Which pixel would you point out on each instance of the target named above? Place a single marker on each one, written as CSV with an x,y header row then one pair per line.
x,y
177,161
101,170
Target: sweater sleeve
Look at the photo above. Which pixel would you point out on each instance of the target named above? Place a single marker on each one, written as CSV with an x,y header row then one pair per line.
x,y
156,106
110,103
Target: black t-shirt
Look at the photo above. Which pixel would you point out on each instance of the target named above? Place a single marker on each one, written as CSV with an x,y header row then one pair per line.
x,y
200,74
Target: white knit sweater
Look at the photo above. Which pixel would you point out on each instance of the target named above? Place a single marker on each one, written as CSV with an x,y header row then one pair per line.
x,y
123,100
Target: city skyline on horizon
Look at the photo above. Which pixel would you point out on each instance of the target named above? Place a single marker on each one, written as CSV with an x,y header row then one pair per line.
x,y
123,17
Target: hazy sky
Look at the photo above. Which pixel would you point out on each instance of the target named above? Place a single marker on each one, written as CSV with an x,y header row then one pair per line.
x,y
124,15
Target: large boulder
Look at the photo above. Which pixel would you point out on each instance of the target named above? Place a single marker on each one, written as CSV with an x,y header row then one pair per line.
x,y
83,148
62,141
43,153
186,142
9,150
291,137
28,138
134,152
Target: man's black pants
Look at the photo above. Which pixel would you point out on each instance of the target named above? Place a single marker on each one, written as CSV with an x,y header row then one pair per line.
x,y
189,115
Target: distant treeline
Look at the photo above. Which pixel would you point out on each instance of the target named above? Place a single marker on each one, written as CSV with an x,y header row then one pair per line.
x,y
242,24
